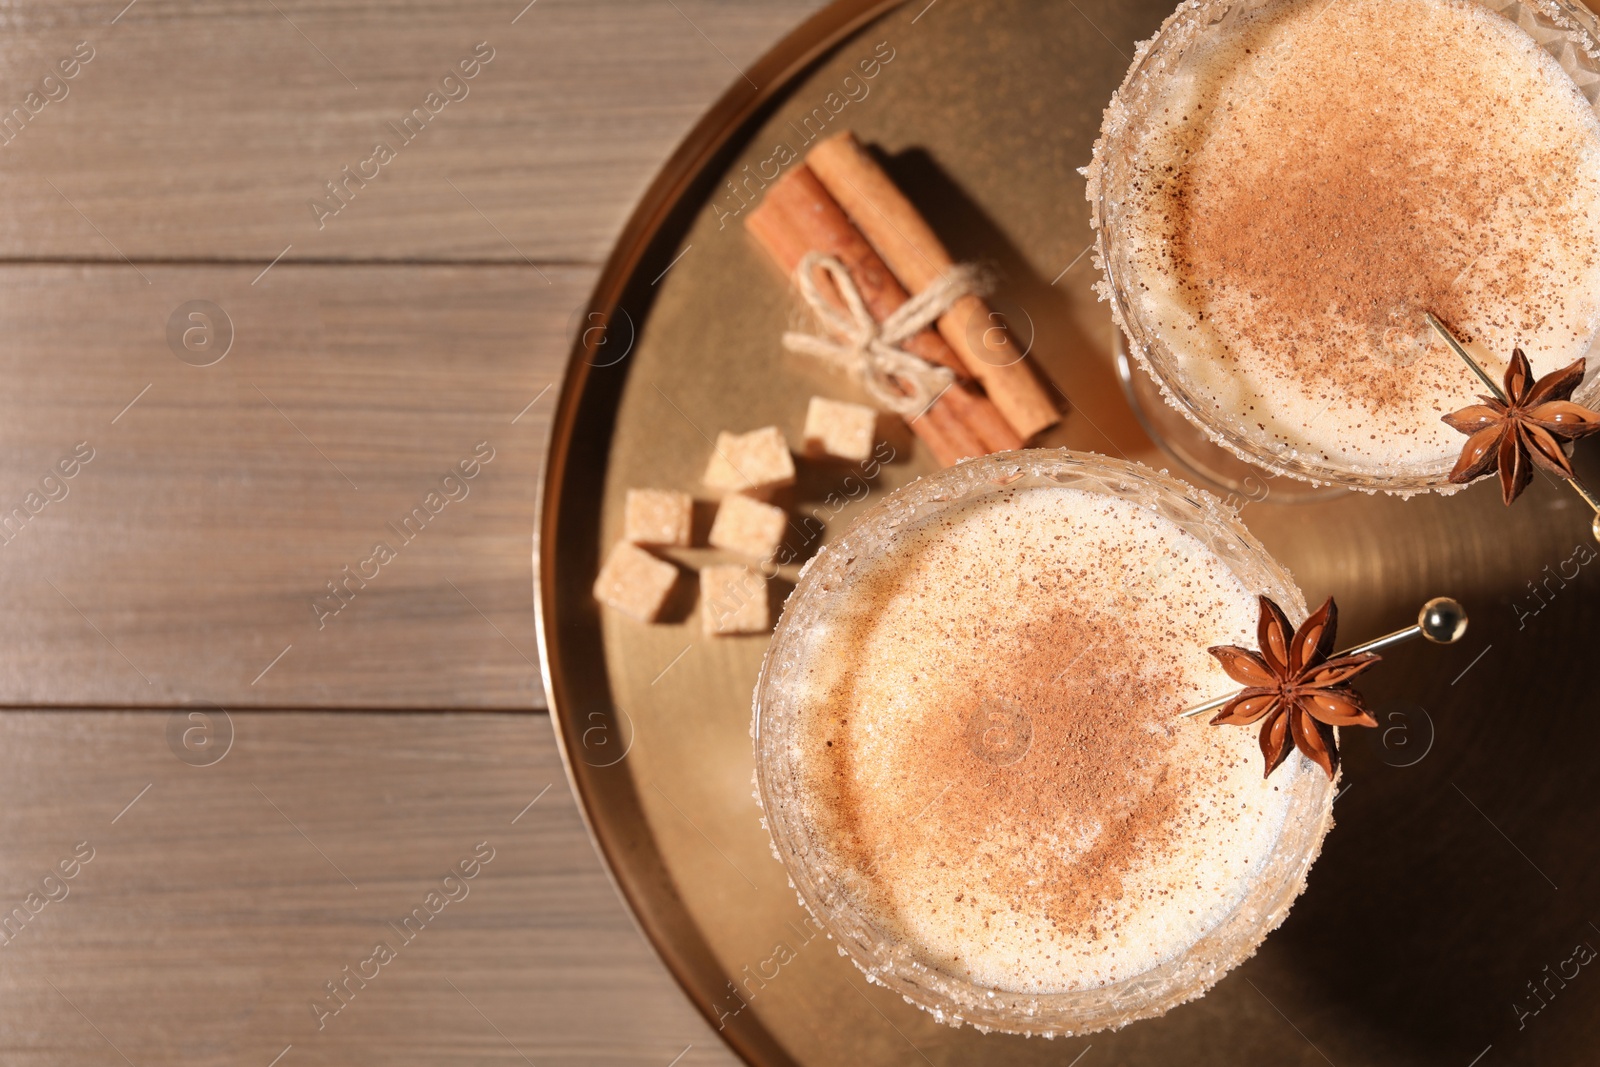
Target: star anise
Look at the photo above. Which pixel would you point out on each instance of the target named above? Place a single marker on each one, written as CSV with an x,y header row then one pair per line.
x,y
1507,436
1293,688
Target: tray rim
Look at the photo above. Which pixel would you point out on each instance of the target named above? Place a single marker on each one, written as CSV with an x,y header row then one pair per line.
x,y
775,73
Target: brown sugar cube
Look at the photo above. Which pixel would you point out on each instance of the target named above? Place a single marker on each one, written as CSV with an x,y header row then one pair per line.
x,y
634,582
839,429
733,600
748,526
751,461
657,517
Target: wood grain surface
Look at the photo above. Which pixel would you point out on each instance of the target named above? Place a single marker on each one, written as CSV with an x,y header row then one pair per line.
x,y
205,130
199,541
218,901
368,349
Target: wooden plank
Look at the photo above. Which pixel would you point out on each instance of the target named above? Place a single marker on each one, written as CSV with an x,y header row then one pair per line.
x,y
214,909
221,501
206,130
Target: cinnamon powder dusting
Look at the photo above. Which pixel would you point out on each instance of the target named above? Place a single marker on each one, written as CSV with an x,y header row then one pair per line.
x,y
995,759
1087,759
1335,170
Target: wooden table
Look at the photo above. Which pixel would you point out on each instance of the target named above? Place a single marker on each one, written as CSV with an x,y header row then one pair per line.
x,y
256,743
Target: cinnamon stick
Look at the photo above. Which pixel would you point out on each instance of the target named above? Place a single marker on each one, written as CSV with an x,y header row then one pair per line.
x,y
822,224
910,248
798,216
945,435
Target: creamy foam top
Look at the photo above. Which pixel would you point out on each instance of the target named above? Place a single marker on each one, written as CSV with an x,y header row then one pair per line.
x,y
989,750
1319,175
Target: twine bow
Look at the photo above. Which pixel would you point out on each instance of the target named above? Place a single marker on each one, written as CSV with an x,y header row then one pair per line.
x,y
857,343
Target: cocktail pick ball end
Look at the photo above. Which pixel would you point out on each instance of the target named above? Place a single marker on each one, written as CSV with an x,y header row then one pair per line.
x,y
1443,621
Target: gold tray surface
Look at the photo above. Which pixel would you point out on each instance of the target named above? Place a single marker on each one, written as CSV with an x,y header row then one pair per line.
x,y
1435,903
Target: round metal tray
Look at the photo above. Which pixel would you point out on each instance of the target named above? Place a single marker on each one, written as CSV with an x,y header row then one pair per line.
x,y
1432,931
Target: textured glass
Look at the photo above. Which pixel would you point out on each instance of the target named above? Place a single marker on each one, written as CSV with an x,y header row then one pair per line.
x,y
826,585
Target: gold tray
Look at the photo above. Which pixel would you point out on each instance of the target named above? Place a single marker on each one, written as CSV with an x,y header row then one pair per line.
x,y
1433,917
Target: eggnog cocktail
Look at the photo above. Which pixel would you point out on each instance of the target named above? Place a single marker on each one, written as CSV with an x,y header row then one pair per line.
x,y
970,758
1284,187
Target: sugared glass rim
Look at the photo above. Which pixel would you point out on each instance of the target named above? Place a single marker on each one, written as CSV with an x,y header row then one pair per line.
x,y
1574,43
951,999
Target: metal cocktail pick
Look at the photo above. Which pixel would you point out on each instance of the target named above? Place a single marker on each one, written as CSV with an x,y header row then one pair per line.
x,y
1500,395
1441,621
